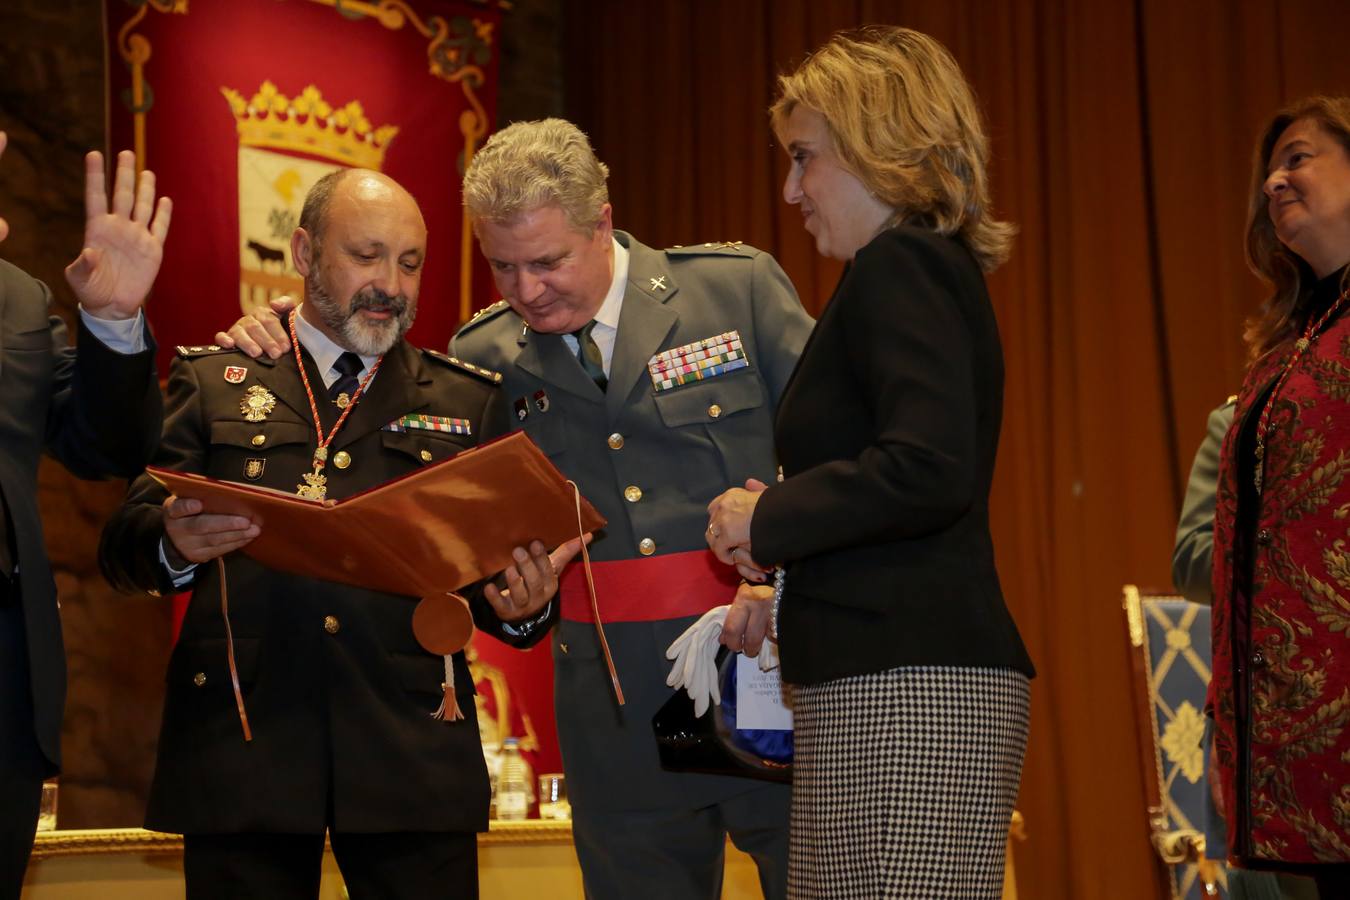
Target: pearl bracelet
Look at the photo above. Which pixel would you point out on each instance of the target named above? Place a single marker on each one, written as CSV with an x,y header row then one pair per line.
x,y
779,579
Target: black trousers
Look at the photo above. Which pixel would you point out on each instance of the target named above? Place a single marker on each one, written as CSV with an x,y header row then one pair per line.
x,y
22,763
392,866
1332,881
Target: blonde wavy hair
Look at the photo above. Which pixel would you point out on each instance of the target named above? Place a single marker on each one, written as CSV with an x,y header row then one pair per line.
x,y
528,165
1283,314
905,122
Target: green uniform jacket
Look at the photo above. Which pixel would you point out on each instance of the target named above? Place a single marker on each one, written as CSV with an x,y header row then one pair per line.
x,y
1193,554
680,447
339,693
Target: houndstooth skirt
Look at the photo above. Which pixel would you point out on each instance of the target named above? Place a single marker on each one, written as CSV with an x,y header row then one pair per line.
x,y
904,783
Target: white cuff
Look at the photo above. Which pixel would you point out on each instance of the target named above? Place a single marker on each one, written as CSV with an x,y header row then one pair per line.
x,y
125,336
181,577
520,629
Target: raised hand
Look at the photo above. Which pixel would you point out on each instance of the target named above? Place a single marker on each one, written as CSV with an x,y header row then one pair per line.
x,y
122,248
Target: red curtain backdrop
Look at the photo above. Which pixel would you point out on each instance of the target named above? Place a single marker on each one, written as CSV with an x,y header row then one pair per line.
x,y
373,53
1122,134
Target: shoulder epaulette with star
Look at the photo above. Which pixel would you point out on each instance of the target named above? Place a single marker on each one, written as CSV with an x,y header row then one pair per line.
x,y
485,314
487,375
202,350
712,248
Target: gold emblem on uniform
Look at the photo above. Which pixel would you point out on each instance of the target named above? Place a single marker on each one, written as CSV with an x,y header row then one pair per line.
x,y
343,400
659,283
257,404
253,468
315,486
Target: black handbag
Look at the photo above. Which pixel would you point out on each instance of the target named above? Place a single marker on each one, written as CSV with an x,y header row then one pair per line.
x,y
711,744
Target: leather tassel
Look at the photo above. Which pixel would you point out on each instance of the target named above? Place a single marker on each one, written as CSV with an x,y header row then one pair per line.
x,y
449,710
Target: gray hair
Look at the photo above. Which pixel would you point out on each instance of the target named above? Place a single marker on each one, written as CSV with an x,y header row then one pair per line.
x,y
529,165
314,214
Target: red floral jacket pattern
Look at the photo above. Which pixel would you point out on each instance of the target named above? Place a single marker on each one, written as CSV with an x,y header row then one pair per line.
x,y
1281,686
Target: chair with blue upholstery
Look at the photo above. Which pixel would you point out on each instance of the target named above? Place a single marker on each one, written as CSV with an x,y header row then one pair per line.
x,y
1170,654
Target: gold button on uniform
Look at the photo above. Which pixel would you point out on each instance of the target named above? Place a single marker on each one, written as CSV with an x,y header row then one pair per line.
x,y
714,411
615,441
331,624
258,440
632,493
646,546
426,455
199,679
342,459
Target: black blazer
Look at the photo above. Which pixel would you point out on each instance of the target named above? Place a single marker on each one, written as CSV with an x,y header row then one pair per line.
x,y
96,411
339,694
887,434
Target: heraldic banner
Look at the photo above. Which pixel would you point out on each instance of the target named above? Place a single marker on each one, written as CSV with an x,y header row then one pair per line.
x,y
239,106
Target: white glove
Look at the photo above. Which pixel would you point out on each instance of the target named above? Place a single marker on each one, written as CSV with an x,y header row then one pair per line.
x,y
768,655
695,656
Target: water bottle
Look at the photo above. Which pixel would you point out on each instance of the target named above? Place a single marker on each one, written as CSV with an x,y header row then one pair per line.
x,y
514,789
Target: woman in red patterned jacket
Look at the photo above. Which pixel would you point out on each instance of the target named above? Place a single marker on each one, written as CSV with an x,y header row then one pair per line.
x,y
1281,686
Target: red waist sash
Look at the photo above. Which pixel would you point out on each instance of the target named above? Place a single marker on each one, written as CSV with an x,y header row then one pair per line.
x,y
649,588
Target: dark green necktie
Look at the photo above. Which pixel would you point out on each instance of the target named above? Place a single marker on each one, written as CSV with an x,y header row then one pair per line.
x,y
588,354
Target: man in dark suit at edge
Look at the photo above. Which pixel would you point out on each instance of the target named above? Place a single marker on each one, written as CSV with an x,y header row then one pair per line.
x,y
96,408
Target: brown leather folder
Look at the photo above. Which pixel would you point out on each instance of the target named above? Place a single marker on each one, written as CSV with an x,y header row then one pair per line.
x,y
431,532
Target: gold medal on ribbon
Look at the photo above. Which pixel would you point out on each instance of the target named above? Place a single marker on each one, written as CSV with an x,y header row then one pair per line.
x,y
315,484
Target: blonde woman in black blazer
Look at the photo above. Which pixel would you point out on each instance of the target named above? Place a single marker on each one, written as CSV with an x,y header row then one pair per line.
x,y
910,680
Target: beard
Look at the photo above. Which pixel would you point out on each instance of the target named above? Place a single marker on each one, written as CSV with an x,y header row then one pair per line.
x,y
356,333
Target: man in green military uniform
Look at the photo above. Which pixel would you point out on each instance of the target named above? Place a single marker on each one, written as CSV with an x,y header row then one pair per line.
x,y
296,706
600,341
650,378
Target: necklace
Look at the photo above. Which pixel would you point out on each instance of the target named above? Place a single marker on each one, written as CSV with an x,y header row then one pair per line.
x,y
315,486
1310,334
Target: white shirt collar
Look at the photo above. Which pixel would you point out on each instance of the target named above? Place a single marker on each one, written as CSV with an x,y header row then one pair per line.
x,y
608,313
606,330
324,350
